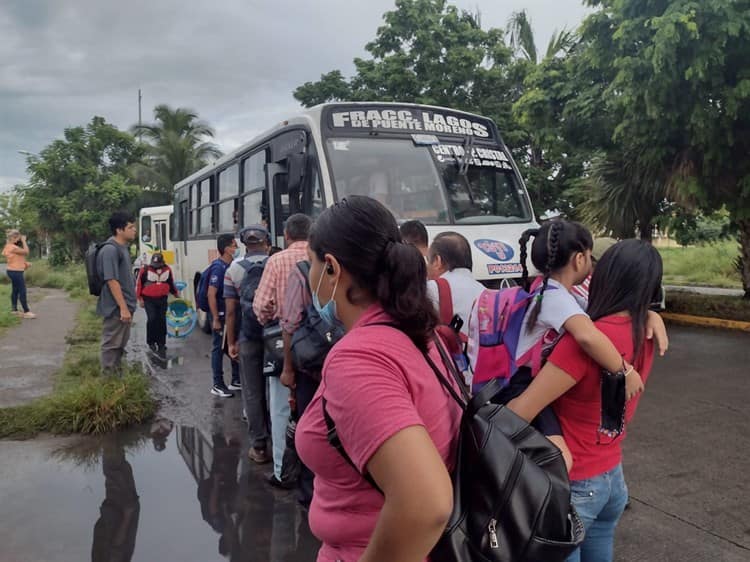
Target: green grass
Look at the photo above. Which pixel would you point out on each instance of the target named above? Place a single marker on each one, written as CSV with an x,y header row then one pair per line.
x,y
82,401
6,318
711,265
726,308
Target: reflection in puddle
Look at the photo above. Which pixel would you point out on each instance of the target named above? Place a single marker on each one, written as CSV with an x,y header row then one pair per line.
x,y
240,517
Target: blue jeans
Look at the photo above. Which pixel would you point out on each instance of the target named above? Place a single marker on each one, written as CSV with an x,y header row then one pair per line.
x,y
278,404
217,355
18,292
599,502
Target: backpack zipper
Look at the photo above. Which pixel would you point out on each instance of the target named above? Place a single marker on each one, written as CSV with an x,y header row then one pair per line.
x,y
492,528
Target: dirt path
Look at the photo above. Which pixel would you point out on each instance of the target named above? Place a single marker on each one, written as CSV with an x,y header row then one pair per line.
x,y
33,351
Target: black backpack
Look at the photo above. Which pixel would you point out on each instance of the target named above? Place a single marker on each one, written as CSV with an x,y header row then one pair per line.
x,y
93,274
511,493
251,328
314,337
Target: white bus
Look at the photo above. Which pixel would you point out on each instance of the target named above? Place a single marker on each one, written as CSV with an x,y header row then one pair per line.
x,y
449,169
154,234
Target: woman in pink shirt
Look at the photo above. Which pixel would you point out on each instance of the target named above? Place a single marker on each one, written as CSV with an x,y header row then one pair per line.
x,y
396,423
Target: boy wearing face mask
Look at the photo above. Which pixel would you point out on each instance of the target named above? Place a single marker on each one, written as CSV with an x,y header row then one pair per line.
x,y
227,247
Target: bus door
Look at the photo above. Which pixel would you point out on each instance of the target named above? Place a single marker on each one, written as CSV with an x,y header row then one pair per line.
x,y
284,176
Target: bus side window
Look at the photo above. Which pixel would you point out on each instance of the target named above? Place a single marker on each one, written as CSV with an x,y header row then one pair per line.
x,y
146,229
252,208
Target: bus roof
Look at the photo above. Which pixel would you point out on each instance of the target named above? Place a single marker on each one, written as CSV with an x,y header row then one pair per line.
x,y
156,210
305,117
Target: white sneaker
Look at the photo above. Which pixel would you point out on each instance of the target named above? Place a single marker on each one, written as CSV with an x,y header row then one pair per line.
x,y
221,391
29,315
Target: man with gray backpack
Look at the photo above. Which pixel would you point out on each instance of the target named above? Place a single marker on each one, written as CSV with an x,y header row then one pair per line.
x,y
245,334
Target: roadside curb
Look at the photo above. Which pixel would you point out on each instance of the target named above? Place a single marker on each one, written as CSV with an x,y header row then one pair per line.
x,y
706,322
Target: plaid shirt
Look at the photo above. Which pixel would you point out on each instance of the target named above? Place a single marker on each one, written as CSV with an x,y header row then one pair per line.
x,y
269,296
296,301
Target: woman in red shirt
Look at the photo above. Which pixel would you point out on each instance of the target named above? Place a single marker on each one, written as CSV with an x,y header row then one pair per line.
x,y
625,282
396,423
155,282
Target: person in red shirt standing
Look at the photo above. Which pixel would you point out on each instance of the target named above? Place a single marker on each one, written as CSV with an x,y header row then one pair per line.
x,y
623,285
155,282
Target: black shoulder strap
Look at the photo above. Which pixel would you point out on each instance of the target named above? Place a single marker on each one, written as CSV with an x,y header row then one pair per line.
x,y
333,439
304,267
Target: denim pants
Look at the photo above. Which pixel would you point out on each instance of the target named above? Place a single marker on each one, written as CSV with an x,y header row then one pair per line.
x,y
599,502
217,355
278,403
18,291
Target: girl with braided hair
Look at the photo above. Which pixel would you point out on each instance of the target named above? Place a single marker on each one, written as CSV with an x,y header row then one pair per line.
x,y
561,251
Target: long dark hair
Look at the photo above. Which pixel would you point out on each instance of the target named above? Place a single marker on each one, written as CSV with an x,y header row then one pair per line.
x,y
554,243
364,237
626,279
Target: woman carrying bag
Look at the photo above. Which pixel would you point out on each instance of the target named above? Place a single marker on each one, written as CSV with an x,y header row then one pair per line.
x,y
397,424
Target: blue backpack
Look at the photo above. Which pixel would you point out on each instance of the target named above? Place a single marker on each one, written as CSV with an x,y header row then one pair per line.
x,y
201,295
251,328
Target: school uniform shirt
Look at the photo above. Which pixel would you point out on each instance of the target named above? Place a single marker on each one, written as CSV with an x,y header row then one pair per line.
x,y
579,409
558,306
375,383
464,292
216,279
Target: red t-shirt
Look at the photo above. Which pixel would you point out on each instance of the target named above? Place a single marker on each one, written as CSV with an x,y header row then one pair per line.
x,y
579,409
376,383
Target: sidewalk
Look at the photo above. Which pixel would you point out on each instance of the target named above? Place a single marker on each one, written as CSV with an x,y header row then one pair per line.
x,y
34,350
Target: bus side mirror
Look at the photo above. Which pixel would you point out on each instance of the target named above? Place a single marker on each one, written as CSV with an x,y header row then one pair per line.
x,y
295,171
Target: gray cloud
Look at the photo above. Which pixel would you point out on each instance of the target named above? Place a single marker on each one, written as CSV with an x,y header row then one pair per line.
x,y
234,61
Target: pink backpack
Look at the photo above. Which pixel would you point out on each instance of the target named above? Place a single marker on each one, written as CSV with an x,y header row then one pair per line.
x,y
494,331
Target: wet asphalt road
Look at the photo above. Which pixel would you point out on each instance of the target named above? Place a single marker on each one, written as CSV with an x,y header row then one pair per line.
x,y
184,490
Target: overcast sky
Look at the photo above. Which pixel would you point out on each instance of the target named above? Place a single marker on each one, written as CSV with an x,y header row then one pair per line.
x,y
236,62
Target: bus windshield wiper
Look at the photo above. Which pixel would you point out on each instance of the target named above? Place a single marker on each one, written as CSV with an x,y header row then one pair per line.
x,y
463,165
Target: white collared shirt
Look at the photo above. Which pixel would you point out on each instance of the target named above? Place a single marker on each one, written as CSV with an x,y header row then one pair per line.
x,y
464,291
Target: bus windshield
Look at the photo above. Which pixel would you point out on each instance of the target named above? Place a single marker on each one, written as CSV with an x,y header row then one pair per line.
x,y
405,178
395,172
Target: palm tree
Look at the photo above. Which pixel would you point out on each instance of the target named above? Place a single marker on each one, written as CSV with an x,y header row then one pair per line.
x,y
622,192
176,147
522,41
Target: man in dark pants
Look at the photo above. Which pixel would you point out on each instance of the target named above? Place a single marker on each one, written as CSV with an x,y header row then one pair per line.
x,y
226,245
246,342
303,383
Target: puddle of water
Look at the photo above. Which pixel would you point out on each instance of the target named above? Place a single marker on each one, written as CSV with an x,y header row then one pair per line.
x,y
162,492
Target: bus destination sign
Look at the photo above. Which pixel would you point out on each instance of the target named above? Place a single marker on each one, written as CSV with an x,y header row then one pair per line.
x,y
412,120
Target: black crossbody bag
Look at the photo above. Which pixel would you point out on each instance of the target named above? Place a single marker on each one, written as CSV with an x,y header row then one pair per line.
x,y
511,493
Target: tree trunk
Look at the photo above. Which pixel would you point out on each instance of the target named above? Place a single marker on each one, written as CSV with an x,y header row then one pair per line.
x,y
646,230
744,225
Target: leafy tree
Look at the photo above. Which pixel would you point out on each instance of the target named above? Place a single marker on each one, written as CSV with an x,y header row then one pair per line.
x,y
177,146
16,212
76,183
680,95
426,52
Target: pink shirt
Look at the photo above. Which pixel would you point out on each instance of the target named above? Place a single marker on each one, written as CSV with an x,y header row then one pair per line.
x,y
376,383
